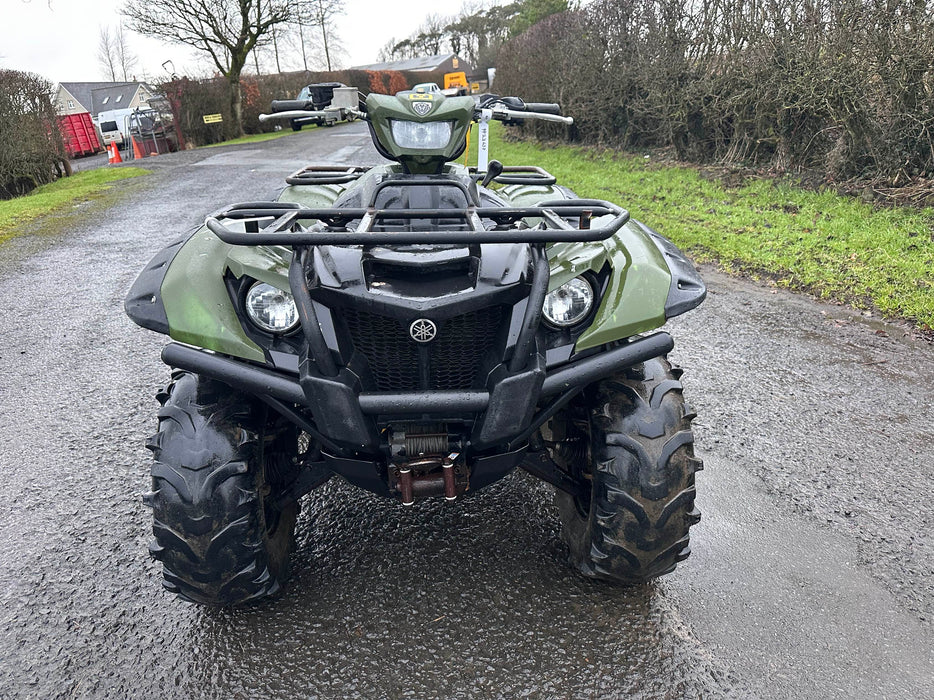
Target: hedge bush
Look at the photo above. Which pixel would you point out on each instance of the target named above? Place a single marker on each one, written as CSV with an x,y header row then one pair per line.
x,y
31,149
844,87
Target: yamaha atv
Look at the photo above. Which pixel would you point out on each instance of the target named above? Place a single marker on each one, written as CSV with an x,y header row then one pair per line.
x,y
420,329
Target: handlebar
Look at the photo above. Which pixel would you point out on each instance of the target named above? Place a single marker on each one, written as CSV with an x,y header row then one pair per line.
x,y
506,109
299,113
292,105
543,107
512,116
291,114
513,110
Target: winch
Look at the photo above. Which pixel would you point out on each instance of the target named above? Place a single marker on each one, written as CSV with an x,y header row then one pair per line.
x,y
426,461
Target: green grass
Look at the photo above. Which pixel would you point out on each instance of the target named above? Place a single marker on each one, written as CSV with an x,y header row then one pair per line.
x,y
253,138
58,196
834,246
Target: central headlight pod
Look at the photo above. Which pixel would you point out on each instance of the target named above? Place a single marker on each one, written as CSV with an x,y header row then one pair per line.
x,y
271,309
423,136
569,304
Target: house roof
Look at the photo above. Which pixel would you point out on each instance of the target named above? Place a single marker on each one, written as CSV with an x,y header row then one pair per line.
x,y
99,97
82,91
422,63
113,97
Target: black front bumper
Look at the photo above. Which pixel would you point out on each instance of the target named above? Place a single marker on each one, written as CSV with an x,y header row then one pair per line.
x,y
346,417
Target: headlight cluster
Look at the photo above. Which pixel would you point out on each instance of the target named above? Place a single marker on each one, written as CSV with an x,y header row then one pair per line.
x,y
271,309
426,136
569,304
274,311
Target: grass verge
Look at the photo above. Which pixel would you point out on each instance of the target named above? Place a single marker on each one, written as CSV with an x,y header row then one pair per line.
x,y
253,138
834,246
58,195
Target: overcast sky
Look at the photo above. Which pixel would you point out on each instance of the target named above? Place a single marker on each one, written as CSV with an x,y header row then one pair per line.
x,y
58,38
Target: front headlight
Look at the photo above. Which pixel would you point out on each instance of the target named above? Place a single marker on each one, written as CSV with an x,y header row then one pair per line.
x,y
271,309
569,304
422,136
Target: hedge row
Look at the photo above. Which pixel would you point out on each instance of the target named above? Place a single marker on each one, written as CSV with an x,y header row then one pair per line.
x,y
192,99
844,87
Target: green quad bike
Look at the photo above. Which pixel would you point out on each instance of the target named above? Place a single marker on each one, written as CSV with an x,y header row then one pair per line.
x,y
420,333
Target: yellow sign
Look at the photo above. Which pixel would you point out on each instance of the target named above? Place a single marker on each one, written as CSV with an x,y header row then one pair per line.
x,y
455,80
213,118
475,87
421,96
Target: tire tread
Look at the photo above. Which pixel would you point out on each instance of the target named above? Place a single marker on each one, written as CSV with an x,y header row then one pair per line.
x,y
642,502
208,523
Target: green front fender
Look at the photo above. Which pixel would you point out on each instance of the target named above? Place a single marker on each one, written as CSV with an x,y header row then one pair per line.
x,y
196,300
634,300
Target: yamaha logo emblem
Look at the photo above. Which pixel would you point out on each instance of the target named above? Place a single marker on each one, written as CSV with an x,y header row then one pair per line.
x,y
423,330
421,108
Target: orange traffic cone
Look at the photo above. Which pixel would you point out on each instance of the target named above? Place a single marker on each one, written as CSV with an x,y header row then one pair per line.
x,y
137,155
115,158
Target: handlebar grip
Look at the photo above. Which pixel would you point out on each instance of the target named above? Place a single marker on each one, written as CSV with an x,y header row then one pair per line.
x,y
543,107
290,105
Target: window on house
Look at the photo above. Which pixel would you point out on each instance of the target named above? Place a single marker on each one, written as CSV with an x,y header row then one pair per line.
x,y
119,97
105,100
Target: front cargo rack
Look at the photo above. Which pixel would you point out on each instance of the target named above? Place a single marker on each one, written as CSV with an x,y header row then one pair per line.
x,y
332,226
326,175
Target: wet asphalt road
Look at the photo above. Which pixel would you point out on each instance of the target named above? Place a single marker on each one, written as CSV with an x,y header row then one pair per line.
x,y
811,575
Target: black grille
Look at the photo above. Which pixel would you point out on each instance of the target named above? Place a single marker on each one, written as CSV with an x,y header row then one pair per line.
x,y
458,350
454,356
390,352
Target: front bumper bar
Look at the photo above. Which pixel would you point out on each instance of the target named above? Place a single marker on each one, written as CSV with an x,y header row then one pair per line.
x,y
265,382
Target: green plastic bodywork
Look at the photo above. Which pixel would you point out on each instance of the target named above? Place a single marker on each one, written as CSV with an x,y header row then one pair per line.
x,y
197,303
200,312
634,300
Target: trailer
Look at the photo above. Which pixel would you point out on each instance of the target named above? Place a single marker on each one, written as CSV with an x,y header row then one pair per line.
x,y
331,102
153,130
79,135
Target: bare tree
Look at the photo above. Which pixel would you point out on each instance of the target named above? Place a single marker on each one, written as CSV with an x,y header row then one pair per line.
x,y
430,35
301,42
126,59
387,53
114,54
274,33
226,30
321,14
106,53
307,53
